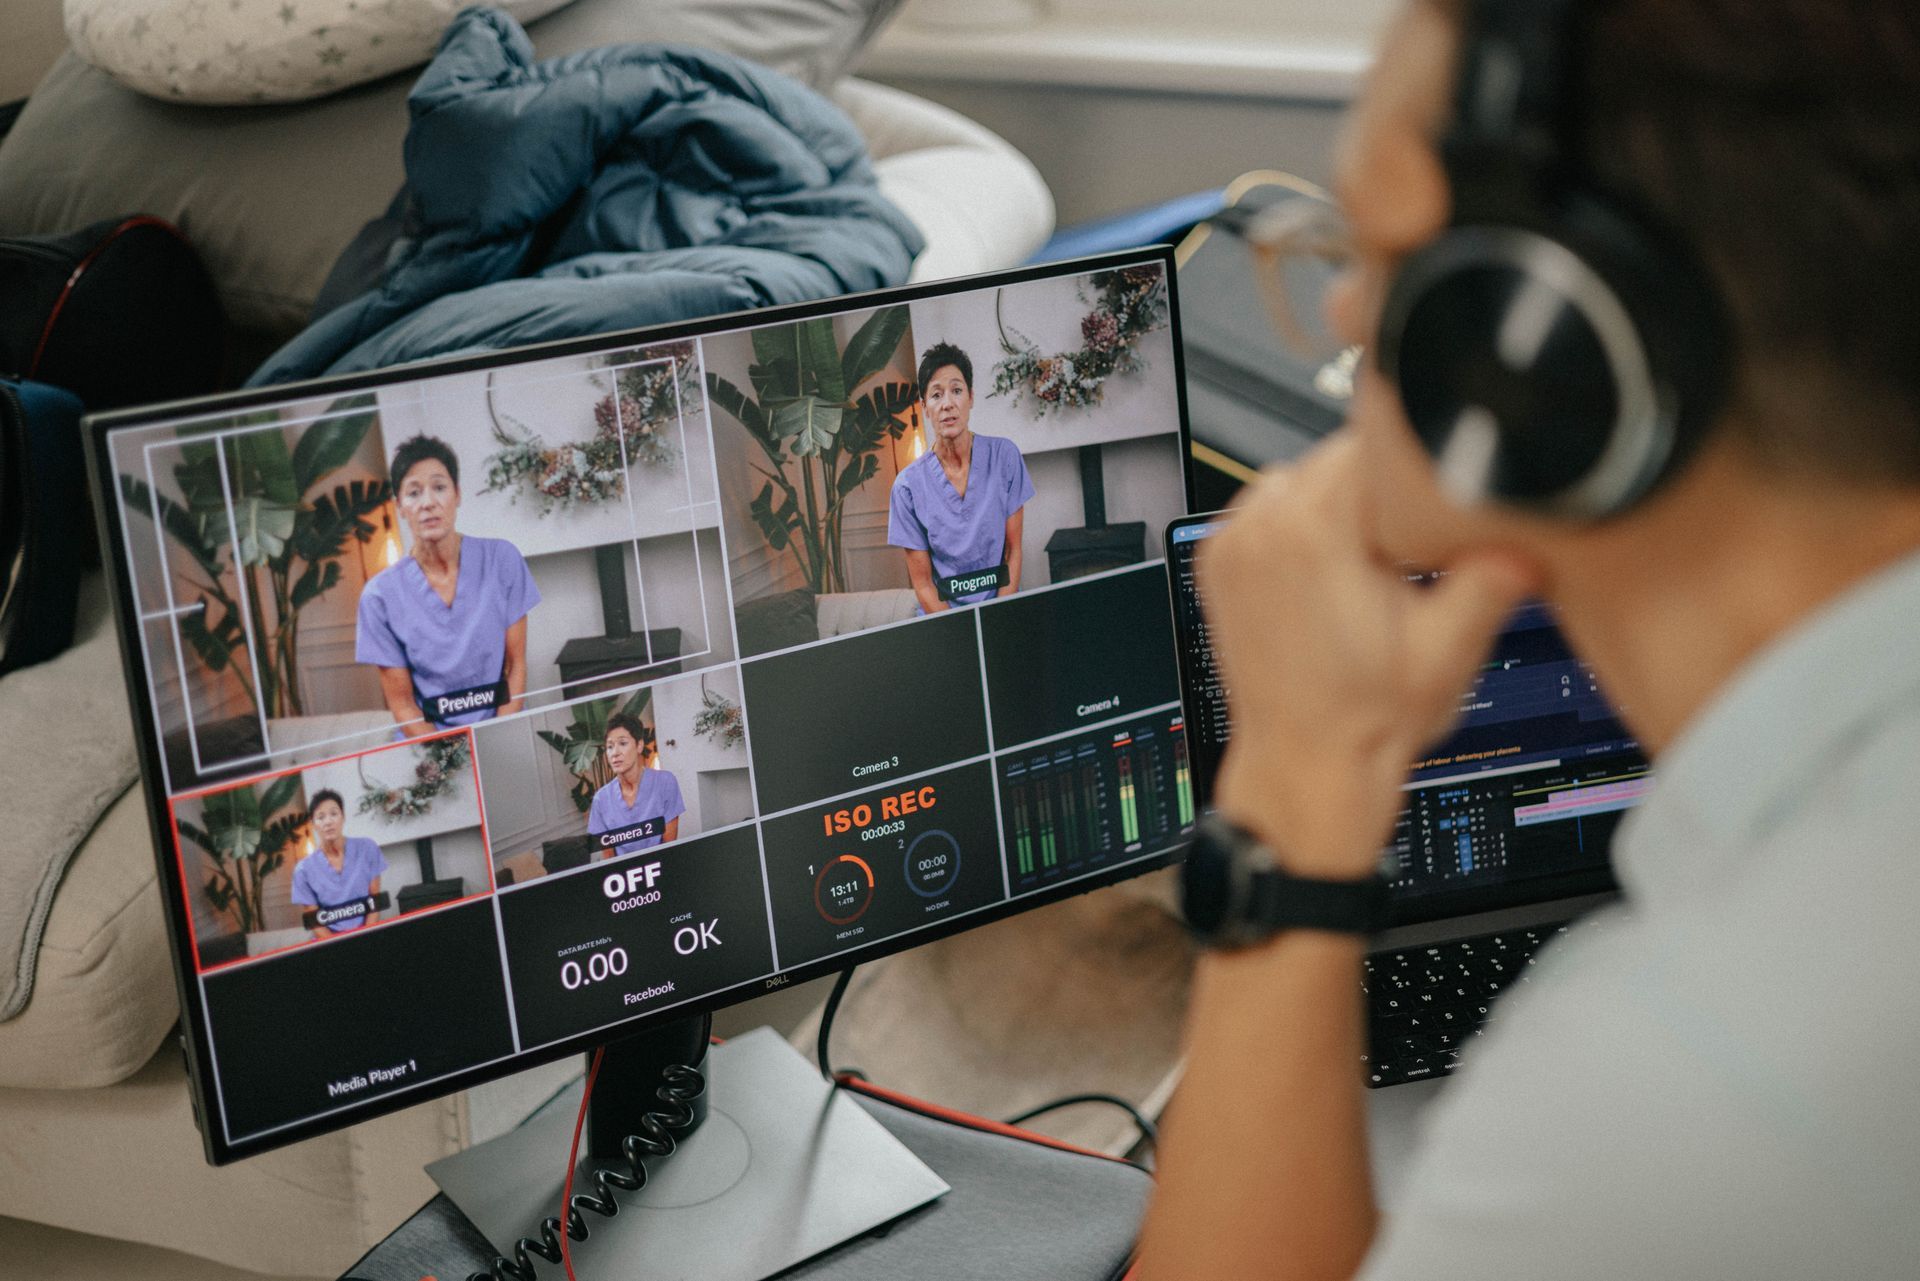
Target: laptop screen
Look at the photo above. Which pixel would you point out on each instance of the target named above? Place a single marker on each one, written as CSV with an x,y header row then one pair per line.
x,y
1518,805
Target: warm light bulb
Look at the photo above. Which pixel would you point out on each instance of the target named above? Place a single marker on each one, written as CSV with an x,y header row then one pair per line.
x,y
919,444
393,550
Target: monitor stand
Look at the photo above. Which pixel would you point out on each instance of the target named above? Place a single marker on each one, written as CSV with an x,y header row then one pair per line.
x,y
778,1167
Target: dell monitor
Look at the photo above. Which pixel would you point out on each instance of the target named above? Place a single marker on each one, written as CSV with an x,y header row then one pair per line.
x,y
494,708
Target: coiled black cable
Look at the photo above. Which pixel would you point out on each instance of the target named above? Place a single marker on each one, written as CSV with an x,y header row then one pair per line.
x,y
680,1085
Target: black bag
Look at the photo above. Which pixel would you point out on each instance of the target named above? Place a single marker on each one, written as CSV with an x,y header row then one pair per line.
x,y
120,313
44,523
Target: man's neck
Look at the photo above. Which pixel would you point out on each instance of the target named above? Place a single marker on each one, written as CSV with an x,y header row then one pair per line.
x,y
1670,610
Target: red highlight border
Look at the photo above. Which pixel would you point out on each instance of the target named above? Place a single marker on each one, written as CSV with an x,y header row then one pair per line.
x,y
180,855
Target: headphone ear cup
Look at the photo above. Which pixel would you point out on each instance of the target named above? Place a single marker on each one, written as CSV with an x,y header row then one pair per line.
x,y
1560,372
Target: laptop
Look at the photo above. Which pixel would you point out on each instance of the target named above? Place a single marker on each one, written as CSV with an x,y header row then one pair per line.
x,y
1503,840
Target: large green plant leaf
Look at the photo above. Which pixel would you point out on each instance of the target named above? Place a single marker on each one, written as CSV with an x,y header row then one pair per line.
x,y
807,425
776,369
327,446
820,361
275,839
214,642
198,477
856,474
322,529
872,346
278,793
219,892
320,577
744,411
264,527
180,524
197,835
773,523
876,416
260,465
233,822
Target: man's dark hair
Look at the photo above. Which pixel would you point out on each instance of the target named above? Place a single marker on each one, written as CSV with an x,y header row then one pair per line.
x,y
418,449
325,794
938,357
630,723
1778,138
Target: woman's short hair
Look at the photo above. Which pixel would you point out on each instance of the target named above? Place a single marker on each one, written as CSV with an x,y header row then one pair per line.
x,y
418,449
938,357
325,794
630,723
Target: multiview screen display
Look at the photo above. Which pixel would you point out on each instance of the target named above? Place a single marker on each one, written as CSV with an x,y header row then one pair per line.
x,y
492,706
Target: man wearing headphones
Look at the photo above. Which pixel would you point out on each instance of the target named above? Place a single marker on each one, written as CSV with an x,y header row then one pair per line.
x,y
1638,282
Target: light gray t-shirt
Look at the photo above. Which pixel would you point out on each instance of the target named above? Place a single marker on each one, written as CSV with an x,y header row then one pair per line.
x,y
1720,1077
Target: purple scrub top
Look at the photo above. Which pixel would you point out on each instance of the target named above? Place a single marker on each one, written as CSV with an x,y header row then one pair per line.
x,y
316,884
448,648
961,534
658,796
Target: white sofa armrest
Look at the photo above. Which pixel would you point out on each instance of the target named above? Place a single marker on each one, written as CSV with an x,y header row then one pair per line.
x,y
980,204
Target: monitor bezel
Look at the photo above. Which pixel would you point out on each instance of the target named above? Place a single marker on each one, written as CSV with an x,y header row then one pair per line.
x,y
195,1039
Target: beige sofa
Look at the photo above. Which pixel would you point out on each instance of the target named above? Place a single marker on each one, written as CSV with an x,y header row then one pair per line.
x,y
98,1129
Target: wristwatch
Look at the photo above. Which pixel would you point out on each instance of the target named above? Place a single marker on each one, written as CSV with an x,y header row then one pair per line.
x,y
1235,893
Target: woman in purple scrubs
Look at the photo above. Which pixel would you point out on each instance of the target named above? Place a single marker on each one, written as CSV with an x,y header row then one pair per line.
x,y
342,869
446,626
642,806
957,509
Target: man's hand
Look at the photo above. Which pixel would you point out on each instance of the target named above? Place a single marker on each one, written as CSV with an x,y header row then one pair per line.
x,y
1339,670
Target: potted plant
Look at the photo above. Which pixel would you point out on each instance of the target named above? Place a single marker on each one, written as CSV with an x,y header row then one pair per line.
x,y
247,834
579,747
820,443
279,535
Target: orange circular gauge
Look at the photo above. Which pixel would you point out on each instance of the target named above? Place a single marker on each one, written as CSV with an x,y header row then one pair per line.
x,y
844,889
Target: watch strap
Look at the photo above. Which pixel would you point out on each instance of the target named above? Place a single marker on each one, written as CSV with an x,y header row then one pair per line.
x,y
1282,901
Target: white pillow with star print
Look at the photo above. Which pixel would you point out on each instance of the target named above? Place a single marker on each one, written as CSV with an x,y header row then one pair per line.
x,y
253,51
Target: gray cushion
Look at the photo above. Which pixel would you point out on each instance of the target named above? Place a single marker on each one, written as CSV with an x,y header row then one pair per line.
x,y
272,195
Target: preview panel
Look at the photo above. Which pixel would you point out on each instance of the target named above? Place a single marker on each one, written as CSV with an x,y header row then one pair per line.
x,y
621,678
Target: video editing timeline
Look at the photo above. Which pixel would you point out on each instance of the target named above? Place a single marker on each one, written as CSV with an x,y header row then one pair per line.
x,y
1071,806
1532,821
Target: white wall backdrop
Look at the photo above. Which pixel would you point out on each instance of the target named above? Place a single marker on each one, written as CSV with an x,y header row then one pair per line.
x,y
1049,313
556,400
456,807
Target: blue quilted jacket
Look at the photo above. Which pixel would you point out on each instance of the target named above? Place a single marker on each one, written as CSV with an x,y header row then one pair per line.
x,y
617,187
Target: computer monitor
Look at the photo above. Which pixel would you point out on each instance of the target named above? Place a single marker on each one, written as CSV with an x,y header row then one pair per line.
x,y
687,664
1516,806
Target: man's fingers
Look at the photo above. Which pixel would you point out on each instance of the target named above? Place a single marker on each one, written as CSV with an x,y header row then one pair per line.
x,y
1456,619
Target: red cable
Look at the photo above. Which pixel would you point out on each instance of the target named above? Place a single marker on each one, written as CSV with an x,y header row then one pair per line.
x,y
573,1157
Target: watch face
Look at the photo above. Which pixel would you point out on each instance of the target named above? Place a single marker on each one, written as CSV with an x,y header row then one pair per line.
x,y
1206,883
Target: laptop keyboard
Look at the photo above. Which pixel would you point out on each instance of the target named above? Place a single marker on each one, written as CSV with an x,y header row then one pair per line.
x,y
1423,1003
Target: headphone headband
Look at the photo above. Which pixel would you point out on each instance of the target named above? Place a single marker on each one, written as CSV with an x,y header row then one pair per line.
x,y
1555,349
1511,110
